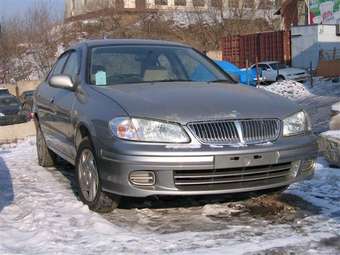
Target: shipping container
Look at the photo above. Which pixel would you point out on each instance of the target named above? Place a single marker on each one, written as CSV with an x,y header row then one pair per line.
x,y
245,50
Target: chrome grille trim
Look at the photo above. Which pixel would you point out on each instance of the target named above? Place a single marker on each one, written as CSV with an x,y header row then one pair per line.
x,y
232,132
232,176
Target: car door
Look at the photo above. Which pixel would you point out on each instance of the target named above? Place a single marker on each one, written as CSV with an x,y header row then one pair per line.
x,y
44,103
63,106
268,73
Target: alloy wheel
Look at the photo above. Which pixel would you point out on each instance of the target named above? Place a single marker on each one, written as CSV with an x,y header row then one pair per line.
x,y
88,175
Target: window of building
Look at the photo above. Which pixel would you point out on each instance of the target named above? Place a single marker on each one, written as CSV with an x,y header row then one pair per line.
x,y
180,2
198,3
161,2
233,3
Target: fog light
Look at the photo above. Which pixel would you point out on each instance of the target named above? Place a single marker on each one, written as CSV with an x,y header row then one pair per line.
x,y
308,165
142,178
294,170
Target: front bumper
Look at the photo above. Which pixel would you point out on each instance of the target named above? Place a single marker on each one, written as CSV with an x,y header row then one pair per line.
x,y
221,170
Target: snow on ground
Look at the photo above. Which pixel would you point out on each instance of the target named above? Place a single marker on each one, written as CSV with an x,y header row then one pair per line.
x,y
317,100
332,133
291,89
40,214
336,107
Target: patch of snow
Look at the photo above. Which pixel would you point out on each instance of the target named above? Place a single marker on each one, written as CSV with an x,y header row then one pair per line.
x,y
316,99
40,214
336,107
219,209
291,89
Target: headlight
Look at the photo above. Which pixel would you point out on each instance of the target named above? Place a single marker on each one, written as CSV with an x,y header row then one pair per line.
x,y
296,124
144,130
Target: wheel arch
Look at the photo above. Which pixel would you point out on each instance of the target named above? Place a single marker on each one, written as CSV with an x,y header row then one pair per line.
x,y
82,131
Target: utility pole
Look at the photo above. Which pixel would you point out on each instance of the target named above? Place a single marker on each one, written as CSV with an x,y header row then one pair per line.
x,y
307,2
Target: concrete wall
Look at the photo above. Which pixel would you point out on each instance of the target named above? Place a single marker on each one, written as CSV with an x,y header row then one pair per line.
x,y
22,86
304,46
215,54
16,132
307,41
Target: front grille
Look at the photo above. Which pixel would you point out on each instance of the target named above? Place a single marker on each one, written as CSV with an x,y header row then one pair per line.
x,y
236,131
232,178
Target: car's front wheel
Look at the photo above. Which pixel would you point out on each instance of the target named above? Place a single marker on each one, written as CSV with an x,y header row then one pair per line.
x,y
89,183
280,78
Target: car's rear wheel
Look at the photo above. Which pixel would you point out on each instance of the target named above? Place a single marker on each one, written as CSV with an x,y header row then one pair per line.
x,y
46,157
89,183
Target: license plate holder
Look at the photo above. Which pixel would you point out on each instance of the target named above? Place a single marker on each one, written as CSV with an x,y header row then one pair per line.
x,y
246,160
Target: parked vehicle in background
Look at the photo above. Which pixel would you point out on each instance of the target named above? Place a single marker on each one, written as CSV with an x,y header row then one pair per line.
x,y
4,91
272,71
26,100
10,110
245,76
142,118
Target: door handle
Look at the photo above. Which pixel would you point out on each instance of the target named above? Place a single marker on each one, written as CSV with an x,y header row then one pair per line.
x,y
52,100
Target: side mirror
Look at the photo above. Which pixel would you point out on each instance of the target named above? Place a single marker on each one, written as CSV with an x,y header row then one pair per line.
x,y
62,82
235,77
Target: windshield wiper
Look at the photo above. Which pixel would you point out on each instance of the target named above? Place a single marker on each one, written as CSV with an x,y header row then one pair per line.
x,y
220,80
171,80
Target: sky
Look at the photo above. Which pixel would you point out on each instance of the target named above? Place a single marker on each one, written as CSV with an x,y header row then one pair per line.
x,y
13,8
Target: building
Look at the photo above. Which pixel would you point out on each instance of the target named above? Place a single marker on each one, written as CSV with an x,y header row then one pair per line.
x,y
75,8
313,43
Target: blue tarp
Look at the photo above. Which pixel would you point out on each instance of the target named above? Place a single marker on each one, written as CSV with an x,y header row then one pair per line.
x,y
247,76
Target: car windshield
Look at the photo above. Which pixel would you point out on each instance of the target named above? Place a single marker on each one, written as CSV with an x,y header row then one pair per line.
x,y
278,66
110,65
8,102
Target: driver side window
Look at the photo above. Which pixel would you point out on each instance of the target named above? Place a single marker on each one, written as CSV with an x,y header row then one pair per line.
x,y
72,66
58,68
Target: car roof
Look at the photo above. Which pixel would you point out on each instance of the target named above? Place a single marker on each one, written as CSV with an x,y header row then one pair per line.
x,y
269,62
104,42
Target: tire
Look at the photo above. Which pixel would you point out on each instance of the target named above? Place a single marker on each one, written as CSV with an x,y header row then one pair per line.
x,y
46,157
280,78
88,181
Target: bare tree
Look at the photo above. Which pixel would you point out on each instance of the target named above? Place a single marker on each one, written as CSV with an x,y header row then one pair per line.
x,y
41,36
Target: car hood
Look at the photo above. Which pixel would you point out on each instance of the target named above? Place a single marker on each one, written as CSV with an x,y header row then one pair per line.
x,y
189,102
